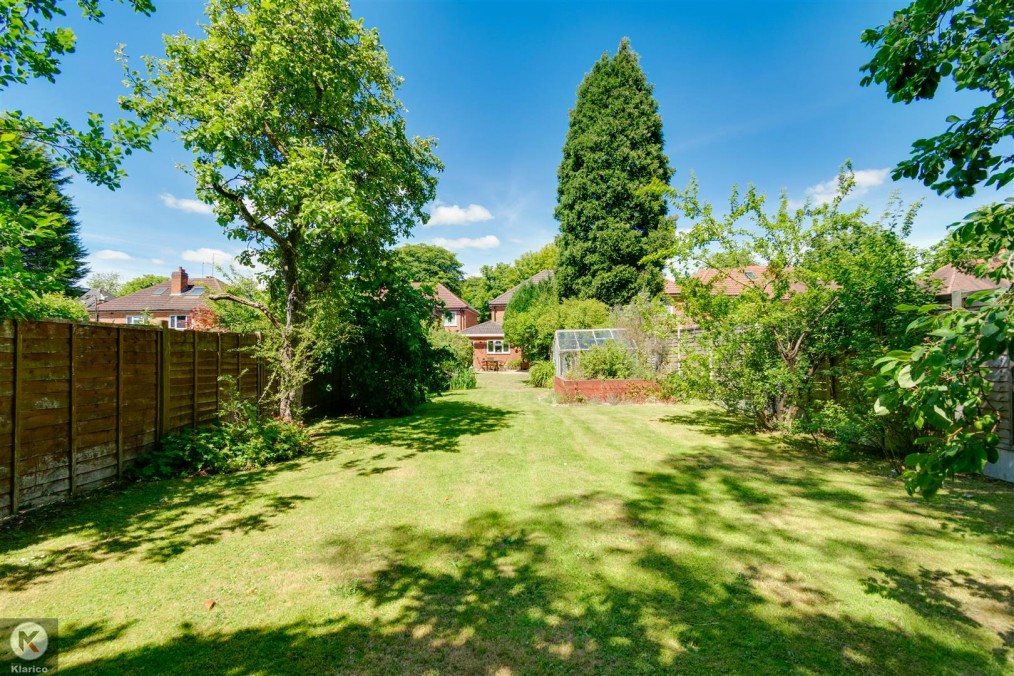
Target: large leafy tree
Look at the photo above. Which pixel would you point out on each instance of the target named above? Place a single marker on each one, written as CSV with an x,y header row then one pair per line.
x,y
608,223
942,379
31,47
432,264
820,310
289,107
37,185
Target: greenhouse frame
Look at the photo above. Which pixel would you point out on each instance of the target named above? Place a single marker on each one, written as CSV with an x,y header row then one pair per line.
x,y
568,344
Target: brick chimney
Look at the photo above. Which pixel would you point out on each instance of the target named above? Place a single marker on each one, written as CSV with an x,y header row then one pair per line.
x,y
179,282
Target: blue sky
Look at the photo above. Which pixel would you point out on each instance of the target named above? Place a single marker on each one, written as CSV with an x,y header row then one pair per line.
x,y
750,92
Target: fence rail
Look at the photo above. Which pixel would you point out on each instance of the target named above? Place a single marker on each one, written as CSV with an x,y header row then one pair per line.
x,y
79,402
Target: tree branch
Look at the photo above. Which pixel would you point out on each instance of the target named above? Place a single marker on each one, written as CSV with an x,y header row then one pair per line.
x,y
249,303
275,142
804,334
254,223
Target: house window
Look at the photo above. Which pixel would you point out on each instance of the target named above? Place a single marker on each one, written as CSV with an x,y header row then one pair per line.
x,y
177,322
135,319
450,318
497,347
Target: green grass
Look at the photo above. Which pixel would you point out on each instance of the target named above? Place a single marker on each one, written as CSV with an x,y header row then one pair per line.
x,y
495,532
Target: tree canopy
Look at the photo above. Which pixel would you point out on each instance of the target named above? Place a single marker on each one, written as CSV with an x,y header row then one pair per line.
x,y
820,311
432,264
609,223
141,283
940,379
289,108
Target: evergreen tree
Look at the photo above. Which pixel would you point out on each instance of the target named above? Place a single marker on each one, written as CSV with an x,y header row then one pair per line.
x,y
36,185
608,223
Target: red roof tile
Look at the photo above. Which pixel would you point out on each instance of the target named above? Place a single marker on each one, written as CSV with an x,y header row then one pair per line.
x,y
952,279
450,300
732,282
158,299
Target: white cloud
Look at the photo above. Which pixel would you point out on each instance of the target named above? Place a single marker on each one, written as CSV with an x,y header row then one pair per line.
x,y
866,179
188,205
217,257
111,255
158,261
455,215
458,243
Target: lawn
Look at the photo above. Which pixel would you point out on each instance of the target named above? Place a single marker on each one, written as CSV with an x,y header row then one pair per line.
x,y
495,532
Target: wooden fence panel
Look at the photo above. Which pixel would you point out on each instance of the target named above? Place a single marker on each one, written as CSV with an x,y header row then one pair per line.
x,y
80,402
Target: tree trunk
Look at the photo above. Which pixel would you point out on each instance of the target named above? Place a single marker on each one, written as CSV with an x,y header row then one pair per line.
x,y
290,397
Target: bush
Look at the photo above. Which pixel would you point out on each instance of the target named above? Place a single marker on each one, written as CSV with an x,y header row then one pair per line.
x,y
608,361
515,364
541,373
380,361
459,349
241,439
463,379
454,354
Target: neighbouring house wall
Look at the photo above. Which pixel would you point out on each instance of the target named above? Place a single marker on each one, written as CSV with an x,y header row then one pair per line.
x,y
121,317
79,402
463,319
480,354
496,312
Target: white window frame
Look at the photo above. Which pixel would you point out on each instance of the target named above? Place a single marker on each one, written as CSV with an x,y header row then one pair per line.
x,y
450,318
492,346
175,323
135,320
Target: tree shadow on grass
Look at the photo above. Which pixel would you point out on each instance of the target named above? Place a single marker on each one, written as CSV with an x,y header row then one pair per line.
x,y
491,598
437,427
154,521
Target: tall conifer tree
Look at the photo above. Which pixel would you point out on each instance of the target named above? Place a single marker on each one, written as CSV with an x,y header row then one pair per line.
x,y
36,184
613,150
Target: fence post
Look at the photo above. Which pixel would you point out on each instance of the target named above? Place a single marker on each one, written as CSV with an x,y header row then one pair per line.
x,y
163,390
194,400
72,437
218,375
119,403
16,420
260,373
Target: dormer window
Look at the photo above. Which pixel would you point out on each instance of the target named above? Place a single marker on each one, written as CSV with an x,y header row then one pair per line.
x,y
450,318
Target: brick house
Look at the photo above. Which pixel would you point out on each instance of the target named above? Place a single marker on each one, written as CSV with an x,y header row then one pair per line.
x,y
170,302
454,314
491,350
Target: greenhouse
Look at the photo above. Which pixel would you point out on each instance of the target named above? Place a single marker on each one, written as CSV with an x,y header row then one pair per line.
x,y
568,344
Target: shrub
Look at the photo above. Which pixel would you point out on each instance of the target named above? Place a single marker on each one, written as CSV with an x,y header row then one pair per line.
x,y
541,373
515,364
463,379
459,350
240,439
454,354
608,361
379,361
